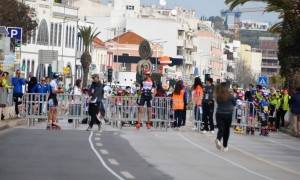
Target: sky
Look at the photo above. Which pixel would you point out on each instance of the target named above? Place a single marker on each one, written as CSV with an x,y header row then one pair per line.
x,y
209,8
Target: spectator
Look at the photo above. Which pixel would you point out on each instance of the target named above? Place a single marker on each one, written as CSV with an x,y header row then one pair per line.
x,y
18,83
295,111
47,80
41,88
197,97
32,81
226,103
249,92
208,106
284,105
178,102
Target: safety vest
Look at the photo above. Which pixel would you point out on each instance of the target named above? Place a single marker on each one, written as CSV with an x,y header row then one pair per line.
x,y
198,95
178,102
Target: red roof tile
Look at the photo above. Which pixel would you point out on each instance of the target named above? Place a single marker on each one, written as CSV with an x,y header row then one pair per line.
x,y
128,38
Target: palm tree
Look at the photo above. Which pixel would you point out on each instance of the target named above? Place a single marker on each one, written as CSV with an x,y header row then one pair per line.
x,y
86,59
289,31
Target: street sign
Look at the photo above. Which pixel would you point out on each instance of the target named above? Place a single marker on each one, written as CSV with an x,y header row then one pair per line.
x,y
263,81
15,32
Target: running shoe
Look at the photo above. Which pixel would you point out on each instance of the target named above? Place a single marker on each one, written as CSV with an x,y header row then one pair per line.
x,y
213,132
218,144
225,149
148,126
204,132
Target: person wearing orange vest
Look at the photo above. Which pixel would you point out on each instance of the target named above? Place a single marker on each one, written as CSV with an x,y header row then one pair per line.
x,y
197,97
178,102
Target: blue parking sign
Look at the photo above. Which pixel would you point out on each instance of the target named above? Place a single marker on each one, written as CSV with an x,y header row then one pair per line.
x,y
263,81
15,32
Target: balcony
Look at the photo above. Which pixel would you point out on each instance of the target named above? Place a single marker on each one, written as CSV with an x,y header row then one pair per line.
x,y
270,65
180,42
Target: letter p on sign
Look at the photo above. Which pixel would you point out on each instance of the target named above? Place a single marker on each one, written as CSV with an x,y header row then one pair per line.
x,y
15,32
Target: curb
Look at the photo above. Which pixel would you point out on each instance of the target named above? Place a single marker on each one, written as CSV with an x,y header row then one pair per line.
x,y
11,123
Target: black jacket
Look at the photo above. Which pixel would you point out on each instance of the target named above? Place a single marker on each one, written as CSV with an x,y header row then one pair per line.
x,y
95,91
295,103
31,83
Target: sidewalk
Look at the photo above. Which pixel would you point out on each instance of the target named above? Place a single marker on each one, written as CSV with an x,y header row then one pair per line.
x,y
5,124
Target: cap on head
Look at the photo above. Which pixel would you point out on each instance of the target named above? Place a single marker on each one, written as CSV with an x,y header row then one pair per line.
x,y
253,93
147,71
56,75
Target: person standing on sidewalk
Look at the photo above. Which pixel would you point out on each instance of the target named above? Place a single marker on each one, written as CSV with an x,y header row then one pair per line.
x,y
284,105
18,83
95,93
295,111
178,102
226,103
197,97
208,106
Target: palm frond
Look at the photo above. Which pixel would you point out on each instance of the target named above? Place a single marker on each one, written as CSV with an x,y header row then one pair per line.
x,y
87,35
276,28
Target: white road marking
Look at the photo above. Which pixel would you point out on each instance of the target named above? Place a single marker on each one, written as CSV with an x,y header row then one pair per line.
x,y
98,144
97,139
101,159
98,134
283,145
113,161
127,175
279,156
264,160
231,162
104,151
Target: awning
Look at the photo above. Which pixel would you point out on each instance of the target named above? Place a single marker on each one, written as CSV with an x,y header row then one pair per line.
x,y
135,59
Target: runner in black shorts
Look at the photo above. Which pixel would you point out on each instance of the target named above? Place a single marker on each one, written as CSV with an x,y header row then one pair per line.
x,y
146,93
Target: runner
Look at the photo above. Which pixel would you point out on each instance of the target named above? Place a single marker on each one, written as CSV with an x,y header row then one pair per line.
x,y
52,101
146,93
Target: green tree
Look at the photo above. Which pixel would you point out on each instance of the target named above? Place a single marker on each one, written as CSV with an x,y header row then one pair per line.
x,y
289,31
17,14
86,59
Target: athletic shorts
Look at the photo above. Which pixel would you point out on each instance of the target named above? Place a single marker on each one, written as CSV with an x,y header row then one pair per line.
x,y
53,103
145,99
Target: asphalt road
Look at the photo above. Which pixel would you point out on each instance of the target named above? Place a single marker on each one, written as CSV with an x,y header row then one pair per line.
x,y
35,153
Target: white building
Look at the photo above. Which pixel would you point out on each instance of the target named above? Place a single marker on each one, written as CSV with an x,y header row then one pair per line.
x,y
172,28
56,35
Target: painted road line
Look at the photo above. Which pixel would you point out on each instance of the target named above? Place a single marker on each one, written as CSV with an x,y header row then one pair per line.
x,y
113,161
98,144
97,139
101,159
98,134
283,144
127,175
225,159
264,160
104,151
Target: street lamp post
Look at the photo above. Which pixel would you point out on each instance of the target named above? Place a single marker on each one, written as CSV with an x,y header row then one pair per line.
x,y
157,44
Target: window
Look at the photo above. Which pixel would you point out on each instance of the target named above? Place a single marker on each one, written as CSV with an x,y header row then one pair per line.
x,y
73,38
32,66
59,35
43,36
27,67
67,33
51,34
70,36
128,7
55,34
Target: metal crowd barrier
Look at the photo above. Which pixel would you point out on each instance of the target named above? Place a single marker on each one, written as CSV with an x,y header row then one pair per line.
x,y
35,107
122,110
247,113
